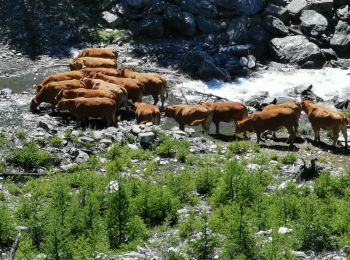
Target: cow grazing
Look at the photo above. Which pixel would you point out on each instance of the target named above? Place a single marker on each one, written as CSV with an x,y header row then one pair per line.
x,y
98,53
91,62
147,113
227,112
83,108
273,120
90,72
322,117
295,106
69,75
154,84
190,115
132,86
48,93
119,91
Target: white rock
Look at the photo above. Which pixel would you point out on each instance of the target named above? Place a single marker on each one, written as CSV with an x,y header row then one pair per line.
x,y
284,230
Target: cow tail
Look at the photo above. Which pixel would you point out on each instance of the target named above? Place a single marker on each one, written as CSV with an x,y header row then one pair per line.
x,y
156,118
165,83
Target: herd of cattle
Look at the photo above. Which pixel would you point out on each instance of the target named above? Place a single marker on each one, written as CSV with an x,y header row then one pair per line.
x,y
96,88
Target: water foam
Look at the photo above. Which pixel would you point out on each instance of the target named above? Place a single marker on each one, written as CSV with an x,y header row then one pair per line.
x,y
327,83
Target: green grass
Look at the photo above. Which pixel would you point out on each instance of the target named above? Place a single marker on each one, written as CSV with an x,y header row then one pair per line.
x,y
30,157
21,134
55,141
288,158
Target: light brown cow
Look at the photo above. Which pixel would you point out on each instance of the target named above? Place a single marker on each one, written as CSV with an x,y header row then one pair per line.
x,y
273,120
86,93
49,92
91,62
132,86
154,84
227,112
119,91
90,72
71,83
98,53
322,117
62,76
83,108
147,113
190,115
295,106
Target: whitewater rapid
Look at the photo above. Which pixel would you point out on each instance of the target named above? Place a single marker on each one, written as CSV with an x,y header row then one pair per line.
x,y
327,83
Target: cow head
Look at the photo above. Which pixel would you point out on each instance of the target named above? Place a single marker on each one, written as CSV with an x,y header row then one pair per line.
x,y
33,105
87,82
170,110
62,104
305,103
244,125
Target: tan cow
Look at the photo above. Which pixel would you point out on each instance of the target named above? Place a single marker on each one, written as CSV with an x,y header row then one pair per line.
x,y
48,93
90,72
83,108
190,115
71,83
132,86
119,91
91,62
154,84
322,117
86,93
69,75
98,53
227,112
295,106
147,113
272,120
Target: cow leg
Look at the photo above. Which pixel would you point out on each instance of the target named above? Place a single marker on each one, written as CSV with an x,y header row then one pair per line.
x,y
335,133
274,135
217,125
182,127
156,99
345,134
291,133
316,132
162,99
258,137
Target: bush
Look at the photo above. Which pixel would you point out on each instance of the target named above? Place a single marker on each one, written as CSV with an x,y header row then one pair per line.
x,y
289,158
21,134
69,136
30,157
6,225
166,147
206,179
55,141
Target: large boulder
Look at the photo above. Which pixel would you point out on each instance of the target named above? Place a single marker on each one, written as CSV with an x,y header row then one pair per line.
x,y
207,25
296,50
313,23
250,7
341,37
200,64
137,4
260,37
274,26
321,6
112,20
296,6
237,29
200,7
343,13
182,22
149,26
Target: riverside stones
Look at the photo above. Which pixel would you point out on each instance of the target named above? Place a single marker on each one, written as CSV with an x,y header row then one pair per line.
x,y
207,25
275,26
296,50
313,23
199,7
341,38
182,22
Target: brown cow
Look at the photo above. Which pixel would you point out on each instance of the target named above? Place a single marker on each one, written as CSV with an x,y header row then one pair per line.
x,y
98,53
49,92
62,76
227,112
91,62
190,115
273,120
83,108
119,91
154,84
295,106
72,83
322,117
147,113
86,93
132,86
90,72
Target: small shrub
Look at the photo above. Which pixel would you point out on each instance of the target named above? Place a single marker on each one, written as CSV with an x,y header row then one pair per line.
x,y
206,179
3,140
182,151
55,141
6,224
238,147
69,136
189,226
21,134
166,147
30,157
289,158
